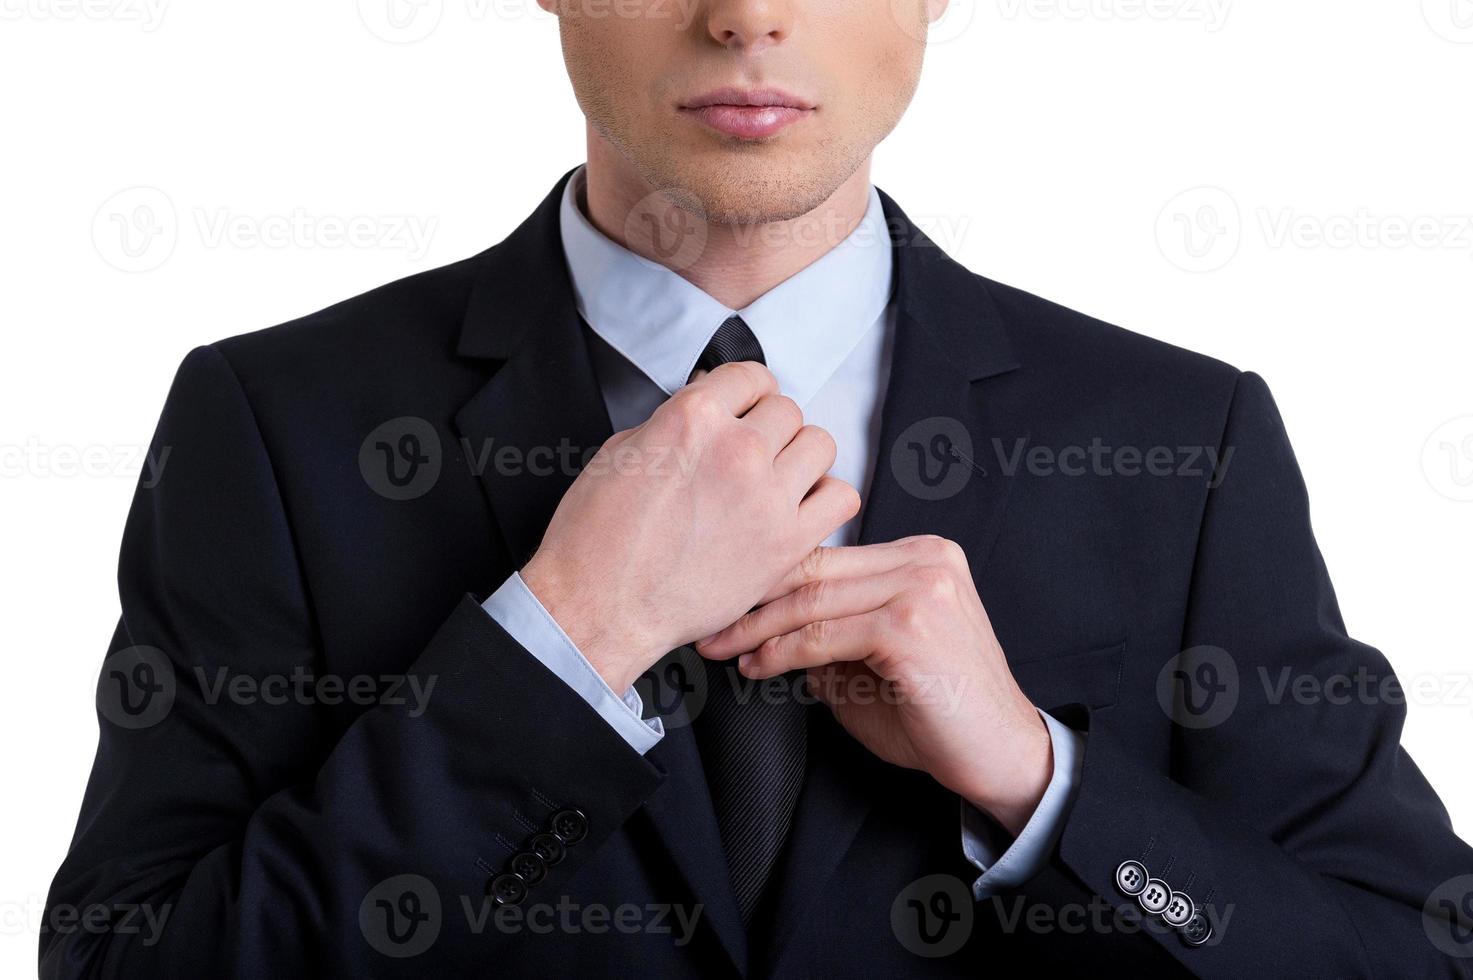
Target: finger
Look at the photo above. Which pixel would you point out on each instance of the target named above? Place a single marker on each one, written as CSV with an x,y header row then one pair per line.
x,y
868,559
822,599
805,460
736,386
826,641
831,504
778,418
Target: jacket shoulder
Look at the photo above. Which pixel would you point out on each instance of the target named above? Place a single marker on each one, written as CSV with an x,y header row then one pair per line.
x,y
1088,361
401,322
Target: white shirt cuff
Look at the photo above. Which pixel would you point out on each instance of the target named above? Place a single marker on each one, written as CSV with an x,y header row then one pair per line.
x,y
1007,865
520,613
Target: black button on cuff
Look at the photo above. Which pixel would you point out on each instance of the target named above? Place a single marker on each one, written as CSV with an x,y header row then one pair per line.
x,y
507,889
529,867
1197,930
570,826
548,848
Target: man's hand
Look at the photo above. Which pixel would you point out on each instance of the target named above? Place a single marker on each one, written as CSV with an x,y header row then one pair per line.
x,y
681,525
905,617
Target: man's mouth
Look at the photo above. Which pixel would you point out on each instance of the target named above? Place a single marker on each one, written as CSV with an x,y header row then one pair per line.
x,y
748,114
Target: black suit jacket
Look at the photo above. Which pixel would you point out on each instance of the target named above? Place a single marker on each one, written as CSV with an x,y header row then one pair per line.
x,y
340,491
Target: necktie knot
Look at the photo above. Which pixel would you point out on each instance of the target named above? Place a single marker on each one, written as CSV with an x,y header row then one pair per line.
x,y
733,341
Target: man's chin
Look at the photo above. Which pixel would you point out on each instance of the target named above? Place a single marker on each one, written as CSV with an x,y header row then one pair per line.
x,y
752,195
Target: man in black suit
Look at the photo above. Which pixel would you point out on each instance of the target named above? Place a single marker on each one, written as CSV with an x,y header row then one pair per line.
x,y
715,579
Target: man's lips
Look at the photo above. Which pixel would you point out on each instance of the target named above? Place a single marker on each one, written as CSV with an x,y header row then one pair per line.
x,y
748,113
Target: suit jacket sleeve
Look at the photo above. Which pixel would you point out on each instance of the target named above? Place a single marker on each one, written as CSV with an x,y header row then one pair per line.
x,y
1305,826
264,852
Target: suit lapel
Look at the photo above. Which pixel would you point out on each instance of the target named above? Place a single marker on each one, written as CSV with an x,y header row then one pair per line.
x,y
539,412
948,398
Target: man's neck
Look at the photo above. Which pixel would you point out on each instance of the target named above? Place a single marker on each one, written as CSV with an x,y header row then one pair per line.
x,y
737,264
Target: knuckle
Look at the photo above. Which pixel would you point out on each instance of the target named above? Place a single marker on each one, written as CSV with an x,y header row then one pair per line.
x,y
770,653
907,613
822,438
816,634
691,408
791,412
932,581
814,564
744,447
952,553
810,598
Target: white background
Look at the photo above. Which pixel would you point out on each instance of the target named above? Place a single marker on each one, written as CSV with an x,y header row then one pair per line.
x,y
1066,147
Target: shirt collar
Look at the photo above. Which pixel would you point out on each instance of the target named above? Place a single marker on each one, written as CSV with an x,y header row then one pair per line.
x,y
807,325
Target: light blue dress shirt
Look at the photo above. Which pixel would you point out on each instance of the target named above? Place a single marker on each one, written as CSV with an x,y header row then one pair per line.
x,y
827,334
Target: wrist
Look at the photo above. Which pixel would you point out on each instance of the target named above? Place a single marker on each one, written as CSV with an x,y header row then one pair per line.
x,y
1010,796
612,651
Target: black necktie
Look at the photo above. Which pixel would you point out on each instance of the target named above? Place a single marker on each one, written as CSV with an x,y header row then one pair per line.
x,y
752,735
